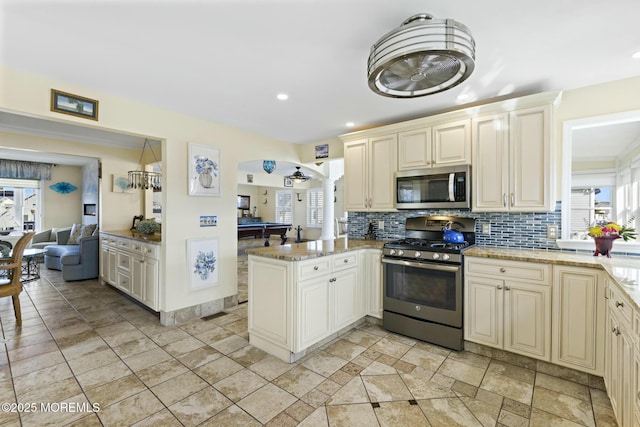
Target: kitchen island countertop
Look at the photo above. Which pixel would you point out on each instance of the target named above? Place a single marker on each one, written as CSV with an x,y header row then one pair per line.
x,y
314,248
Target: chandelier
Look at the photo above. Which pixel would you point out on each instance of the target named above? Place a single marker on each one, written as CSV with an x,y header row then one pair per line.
x,y
421,57
142,179
298,176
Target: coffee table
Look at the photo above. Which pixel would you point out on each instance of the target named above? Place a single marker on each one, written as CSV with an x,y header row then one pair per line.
x,y
31,259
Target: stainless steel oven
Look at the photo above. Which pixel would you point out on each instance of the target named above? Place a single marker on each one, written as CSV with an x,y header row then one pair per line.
x,y
423,281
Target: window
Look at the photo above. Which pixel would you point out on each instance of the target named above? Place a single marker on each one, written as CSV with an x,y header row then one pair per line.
x,y
19,204
284,207
590,206
315,202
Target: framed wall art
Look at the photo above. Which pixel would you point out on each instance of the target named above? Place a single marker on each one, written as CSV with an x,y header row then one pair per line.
x,y
75,105
121,184
202,263
322,151
204,170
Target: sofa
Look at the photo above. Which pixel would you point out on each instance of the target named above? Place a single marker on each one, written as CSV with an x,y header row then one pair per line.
x,y
76,261
46,238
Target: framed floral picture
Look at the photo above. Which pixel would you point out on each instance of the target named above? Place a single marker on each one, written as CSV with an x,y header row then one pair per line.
x,y
202,263
204,170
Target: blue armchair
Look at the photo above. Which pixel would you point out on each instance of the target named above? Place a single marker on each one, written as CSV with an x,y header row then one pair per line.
x,y
77,262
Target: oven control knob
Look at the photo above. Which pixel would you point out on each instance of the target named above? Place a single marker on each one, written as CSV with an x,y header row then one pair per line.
x,y
445,257
436,256
392,252
400,252
417,308
417,254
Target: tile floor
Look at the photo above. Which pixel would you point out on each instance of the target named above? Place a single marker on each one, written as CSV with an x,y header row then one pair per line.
x,y
84,344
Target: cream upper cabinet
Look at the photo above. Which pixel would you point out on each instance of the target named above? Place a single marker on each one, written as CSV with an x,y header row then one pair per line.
x,y
452,143
578,318
369,169
414,149
512,161
441,145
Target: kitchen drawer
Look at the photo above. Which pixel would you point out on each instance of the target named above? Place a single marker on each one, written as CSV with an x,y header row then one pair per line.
x,y
621,305
343,261
124,261
150,251
123,244
506,269
314,267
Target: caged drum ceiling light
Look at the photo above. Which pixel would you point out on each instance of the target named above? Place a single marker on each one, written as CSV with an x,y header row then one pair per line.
x,y
421,57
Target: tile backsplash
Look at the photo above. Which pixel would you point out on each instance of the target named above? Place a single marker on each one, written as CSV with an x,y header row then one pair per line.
x,y
516,230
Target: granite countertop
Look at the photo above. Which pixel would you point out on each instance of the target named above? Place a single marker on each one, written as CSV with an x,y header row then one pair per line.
x,y
623,270
134,235
314,248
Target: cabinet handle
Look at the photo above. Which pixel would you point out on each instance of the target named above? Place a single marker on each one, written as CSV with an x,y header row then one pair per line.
x,y
513,199
638,395
504,199
315,267
499,287
502,269
346,261
619,304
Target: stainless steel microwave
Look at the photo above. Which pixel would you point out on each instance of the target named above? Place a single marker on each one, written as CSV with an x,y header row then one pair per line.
x,y
443,188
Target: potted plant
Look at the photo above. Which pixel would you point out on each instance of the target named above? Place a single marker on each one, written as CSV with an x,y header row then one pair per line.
x,y
148,226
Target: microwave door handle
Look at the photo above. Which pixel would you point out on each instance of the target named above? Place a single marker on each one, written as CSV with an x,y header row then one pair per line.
x,y
451,181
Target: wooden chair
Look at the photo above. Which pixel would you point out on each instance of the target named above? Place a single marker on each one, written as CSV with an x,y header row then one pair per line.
x,y
12,286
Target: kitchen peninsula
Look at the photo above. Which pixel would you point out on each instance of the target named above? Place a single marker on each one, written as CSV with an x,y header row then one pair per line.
x,y
302,295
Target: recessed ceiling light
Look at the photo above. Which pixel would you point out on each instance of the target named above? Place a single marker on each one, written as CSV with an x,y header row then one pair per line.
x,y
282,96
350,124
636,55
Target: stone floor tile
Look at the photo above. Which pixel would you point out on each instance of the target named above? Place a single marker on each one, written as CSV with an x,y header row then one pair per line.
x,y
508,387
200,406
299,381
130,410
178,388
239,385
233,416
464,372
267,402
448,411
393,414
564,406
385,388
354,415
352,392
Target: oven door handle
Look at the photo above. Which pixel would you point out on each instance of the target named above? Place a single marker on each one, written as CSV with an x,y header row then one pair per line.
x,y
422,265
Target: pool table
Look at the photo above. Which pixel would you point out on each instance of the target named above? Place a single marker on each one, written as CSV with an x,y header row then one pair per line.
x,y
264,230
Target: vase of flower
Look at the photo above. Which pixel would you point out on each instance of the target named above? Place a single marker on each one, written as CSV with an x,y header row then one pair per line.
x,y
205,179
604,245
604,235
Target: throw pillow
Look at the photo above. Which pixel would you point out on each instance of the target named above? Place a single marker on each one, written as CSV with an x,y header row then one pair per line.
x,y
88,230
75,234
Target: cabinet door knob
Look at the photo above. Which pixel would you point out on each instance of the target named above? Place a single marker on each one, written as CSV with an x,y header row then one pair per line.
x,y
502,269
499,287
506,288
619,304
346,261
315,267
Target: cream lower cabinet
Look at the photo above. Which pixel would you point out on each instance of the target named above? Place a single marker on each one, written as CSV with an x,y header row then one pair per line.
x,y
372,281
132,267
578,318
508,305
619,374
296,304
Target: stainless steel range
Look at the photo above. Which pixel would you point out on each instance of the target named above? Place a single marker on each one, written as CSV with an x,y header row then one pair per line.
x,y
422,279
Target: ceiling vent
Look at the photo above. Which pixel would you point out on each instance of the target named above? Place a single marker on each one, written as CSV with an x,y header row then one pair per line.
x,y
421,57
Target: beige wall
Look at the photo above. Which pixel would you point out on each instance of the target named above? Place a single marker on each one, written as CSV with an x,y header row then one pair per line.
x,y
63,210
28,94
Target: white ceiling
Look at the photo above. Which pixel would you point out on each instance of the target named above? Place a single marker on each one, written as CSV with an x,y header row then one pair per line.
x,y
226,60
